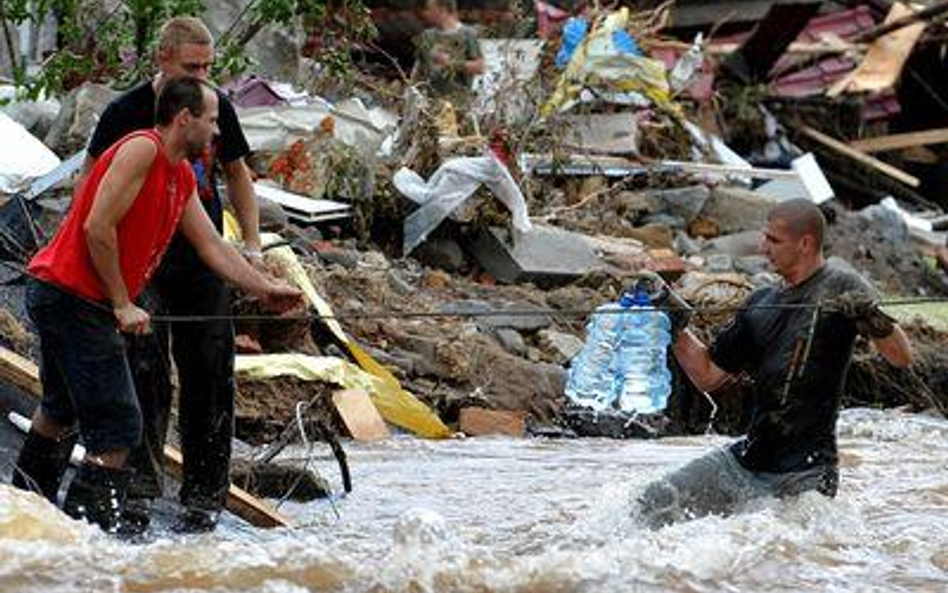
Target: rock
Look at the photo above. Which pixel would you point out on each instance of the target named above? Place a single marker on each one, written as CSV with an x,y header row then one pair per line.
x,y
655,236
718,263
666,263
480,421
683,203
511,340
272,217
36,116
736,209
441,253
751,264
737,244
77,118
398,284
344,257
436,279
562,346
686,245
705,228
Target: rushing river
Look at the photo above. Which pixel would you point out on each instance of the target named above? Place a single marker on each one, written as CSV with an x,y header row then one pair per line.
x,y
533,515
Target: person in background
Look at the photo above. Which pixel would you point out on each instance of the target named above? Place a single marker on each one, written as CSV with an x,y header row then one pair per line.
x,y
184,286
448,55
795,342
81,299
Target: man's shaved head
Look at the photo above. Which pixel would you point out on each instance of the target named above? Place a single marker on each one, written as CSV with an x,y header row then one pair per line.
x,y
801,217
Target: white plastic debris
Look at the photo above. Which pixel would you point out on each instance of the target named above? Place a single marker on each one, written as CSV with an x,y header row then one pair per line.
x,y
23,157
451,185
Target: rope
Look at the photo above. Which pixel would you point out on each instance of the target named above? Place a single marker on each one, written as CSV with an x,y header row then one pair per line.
x,y
513,312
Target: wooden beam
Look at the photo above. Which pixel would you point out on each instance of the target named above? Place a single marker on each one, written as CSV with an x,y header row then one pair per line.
x,y
23,373
900,141
239,501
860,157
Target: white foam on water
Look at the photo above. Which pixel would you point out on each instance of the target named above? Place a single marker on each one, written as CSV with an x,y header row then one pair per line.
x,y
534,515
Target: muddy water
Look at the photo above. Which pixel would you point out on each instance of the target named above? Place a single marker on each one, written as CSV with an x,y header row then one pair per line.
x,y
534,515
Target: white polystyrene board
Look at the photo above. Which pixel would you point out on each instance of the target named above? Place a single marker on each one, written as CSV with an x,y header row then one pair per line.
x,y
303,207
811,175
23,156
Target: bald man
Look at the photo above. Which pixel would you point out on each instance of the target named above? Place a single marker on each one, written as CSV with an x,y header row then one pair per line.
x,y
795,341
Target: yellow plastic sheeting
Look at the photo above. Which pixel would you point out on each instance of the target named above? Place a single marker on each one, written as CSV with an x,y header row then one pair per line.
x,y
598,63
398,407
395,404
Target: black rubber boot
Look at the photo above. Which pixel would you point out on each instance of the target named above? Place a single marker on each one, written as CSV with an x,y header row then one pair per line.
x,y
97,495
42,463
195,520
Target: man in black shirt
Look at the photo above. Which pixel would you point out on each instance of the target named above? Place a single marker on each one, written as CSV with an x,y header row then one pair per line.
x,y
183,286
795,342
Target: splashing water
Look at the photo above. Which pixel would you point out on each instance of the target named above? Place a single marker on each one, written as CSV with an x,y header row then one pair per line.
x,y
484,515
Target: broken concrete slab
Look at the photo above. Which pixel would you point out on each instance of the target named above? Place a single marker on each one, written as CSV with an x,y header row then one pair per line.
x,y
546,256
602,133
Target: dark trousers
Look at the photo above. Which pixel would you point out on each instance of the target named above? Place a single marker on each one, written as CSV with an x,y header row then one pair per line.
x,y
203,353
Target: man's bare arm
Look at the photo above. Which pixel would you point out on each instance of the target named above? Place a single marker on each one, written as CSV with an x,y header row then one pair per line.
x,y
242,196
115,195
695,359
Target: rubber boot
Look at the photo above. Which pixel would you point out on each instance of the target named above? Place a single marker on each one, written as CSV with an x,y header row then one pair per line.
x,y
194,520
97,495
42,463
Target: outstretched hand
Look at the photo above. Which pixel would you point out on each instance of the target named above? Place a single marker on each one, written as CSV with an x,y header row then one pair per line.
x,y
863,310
282,298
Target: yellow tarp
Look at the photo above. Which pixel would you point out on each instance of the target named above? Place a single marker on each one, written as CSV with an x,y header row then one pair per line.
x,y
395,404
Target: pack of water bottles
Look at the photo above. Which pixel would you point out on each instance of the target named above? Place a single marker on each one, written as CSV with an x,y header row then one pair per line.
x,y
623,362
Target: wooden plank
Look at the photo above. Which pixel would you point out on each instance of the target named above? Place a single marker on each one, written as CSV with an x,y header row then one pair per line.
x,y
900,141
24,374
882,66
861,157
360,415
21,372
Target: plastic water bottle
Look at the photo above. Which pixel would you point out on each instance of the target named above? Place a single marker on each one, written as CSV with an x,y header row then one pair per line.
x,y
687,65
642,378
591,378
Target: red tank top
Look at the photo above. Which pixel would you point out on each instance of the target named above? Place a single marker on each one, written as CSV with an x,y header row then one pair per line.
x,y
143,233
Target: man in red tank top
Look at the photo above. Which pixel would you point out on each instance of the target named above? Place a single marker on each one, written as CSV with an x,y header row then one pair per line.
x,y
123,216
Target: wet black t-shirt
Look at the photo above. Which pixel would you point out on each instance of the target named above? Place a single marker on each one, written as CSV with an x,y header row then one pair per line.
x,y
135,110
798,362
